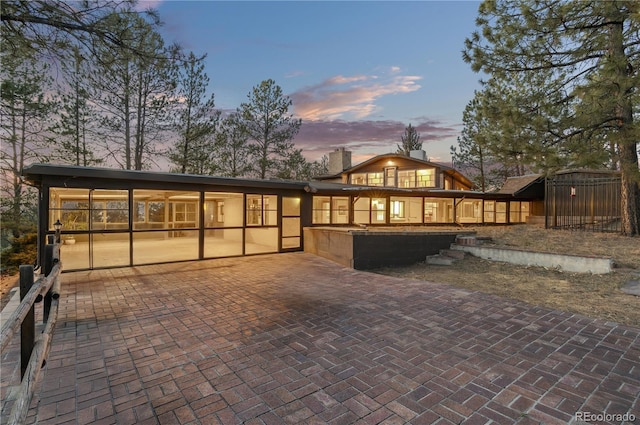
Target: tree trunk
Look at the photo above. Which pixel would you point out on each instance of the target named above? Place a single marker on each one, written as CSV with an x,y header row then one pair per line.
x,y
625,136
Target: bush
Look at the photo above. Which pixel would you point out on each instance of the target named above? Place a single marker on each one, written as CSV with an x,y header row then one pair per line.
x,y
23,250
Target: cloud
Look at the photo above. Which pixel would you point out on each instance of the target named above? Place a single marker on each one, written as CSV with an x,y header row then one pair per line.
x,y
349,97
366,138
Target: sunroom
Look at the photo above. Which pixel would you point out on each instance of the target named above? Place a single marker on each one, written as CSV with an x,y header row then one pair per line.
x,y
114,218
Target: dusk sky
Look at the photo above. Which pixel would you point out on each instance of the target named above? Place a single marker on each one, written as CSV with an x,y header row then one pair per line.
x,y
357,72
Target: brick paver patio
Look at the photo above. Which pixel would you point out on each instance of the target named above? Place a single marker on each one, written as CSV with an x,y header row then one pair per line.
x,y
293,338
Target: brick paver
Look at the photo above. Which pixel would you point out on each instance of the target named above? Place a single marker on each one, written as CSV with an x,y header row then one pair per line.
x,y
293,338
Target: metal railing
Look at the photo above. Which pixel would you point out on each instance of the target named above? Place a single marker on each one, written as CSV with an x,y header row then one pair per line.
x,y
591,203
33,351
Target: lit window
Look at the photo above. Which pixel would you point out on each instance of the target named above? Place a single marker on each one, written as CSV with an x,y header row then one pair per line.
x,y
425,178
407,178
375,179
397,209
360,179
390,177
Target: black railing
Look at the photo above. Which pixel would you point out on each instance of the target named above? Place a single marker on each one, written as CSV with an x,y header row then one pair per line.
x,y
591,203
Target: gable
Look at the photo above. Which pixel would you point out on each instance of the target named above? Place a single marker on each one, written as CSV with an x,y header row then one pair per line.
x,y
403,163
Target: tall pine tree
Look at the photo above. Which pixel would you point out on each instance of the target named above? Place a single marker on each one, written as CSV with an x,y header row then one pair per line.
x,y
578,65
196,120
269,126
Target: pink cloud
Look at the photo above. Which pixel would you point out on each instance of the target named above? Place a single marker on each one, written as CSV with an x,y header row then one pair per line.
x,y
354,97
365,138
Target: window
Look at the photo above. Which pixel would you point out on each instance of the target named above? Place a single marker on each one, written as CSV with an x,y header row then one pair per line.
x,y
362,211
360,179
407,178
405,209
262,210
164,209
438,210
223,215
489,211
330,210
184,212
425,178
375,179
518,212
469,211
378,210
321,210
501,212
390,177
223,209
340,210
397,209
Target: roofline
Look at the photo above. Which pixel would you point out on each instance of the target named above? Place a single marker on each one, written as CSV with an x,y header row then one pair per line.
x,y
33,173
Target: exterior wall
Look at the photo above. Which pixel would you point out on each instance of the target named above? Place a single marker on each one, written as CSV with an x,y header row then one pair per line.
x,y
374,250
366,250
442,179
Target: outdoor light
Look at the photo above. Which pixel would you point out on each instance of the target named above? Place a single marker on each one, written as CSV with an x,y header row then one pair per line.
x,y
57,226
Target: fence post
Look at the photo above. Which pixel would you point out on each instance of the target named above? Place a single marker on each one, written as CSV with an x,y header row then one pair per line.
x,y
46,269
28,327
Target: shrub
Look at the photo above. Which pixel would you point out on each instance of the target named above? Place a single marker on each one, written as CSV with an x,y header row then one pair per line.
x,y
23,250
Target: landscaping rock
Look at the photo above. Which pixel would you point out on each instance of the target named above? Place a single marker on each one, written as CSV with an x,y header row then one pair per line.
x,y
632,287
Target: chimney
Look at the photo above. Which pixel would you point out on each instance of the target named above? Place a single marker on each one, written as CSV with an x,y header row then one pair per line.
x,y
339,160
418,154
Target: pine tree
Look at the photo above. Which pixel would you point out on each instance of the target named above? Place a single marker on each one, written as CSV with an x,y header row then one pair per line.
x,y
134,90
577,63
26,111
196,120
268,125
410,141
76,114
49,27
232,148
294,166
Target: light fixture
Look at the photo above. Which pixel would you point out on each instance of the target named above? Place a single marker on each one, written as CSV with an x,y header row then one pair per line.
x,y
58,226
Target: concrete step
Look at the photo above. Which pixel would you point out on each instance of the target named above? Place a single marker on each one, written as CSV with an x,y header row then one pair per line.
x,y
458,255
440,260
466,240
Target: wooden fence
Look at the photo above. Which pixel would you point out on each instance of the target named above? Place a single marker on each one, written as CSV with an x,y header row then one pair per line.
x,y
33,351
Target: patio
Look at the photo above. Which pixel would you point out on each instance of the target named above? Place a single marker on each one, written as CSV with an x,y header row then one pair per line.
x,y
294,338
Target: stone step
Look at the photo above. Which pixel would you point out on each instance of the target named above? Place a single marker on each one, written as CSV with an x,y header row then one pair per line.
x,y
440,260
466,240
458,255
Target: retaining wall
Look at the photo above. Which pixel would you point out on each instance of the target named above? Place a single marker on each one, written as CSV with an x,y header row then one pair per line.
x,y
565,262
373,248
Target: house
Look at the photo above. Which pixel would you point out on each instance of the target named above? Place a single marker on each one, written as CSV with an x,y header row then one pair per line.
x,y
394,189
125,218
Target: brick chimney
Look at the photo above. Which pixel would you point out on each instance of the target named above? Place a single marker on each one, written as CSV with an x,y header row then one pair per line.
x,y
339,160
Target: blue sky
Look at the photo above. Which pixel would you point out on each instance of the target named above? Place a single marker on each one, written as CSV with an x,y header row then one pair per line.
x,y
357,72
